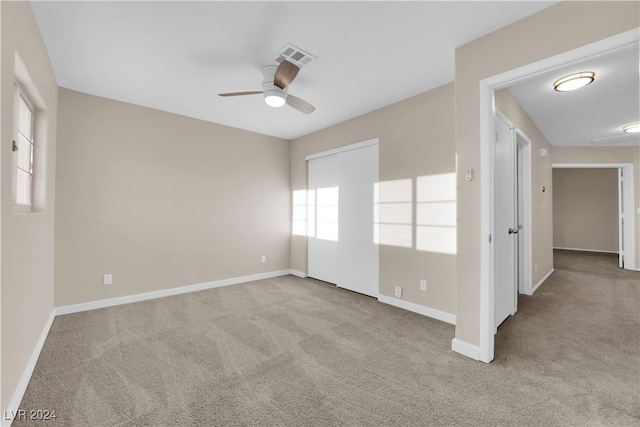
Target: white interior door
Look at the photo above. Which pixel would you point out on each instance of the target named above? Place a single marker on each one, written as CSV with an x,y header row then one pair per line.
x,y
357,252
621,224
324,195
505,221
523,177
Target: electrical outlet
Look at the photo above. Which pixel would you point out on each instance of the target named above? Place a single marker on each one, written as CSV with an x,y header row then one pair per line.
x,y
108,279
398,293
263,259
423,285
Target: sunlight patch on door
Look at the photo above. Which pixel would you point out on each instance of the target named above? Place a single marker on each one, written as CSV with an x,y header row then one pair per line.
x,y
327,213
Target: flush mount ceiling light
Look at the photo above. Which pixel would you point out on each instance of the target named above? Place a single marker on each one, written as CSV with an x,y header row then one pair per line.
x,y
275,98
632,128
574,81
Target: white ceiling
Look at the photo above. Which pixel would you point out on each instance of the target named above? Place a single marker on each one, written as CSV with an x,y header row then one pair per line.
x,y
177,56
597,111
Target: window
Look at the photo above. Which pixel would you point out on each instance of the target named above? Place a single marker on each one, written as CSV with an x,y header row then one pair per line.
x,y
23,144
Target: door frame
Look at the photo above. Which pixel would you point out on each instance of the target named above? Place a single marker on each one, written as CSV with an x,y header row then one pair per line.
x,y
487,89
626,196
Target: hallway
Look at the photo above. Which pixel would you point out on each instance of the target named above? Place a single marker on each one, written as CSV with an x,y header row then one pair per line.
x,y
580,333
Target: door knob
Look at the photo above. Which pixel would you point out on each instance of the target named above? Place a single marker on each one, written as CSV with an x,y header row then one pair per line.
x,y
512,231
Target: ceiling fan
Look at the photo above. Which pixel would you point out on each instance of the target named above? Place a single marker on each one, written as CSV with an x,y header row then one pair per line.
x,y
275,87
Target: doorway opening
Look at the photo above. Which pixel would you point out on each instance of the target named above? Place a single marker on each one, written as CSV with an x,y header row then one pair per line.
x,y
487,90
625,213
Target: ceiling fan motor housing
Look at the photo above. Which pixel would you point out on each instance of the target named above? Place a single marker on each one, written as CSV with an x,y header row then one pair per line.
x,y
273,95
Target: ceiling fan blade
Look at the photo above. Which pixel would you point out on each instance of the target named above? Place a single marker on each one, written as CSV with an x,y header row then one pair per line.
x,y
285,74
255,92
300,105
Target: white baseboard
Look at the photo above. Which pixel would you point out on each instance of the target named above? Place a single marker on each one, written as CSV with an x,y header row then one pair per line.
x,y
586,250
546,276
425,311
298,273
18,394
466,349
92,305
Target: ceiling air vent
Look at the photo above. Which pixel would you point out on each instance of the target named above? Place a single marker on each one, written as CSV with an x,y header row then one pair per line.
x,y
294,55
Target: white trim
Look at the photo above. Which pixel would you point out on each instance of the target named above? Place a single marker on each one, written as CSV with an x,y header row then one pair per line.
x,y
629,194
589,165
18,394
487,287
298,273
633,269
420,309
344,148
466,349
605,46
586,250
546,276
92,305
487,87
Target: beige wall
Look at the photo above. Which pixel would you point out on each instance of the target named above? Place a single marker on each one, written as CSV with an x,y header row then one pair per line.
x,y
541,202
27,250
161,200
585,209
416,138
560,28
607,155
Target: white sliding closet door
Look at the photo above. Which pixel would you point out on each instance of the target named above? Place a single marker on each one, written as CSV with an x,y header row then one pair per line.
x,y
323,206
357,253
342,251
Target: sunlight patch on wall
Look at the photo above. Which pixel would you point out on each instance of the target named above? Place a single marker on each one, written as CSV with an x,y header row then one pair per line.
x,y
393,213
303,217
299,214
436,213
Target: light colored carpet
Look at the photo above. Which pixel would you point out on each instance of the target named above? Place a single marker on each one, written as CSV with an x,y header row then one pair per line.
x,y
297,352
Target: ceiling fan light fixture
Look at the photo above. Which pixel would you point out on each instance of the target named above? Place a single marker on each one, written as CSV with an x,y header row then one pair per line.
x,y
275,98
574,81
632,128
